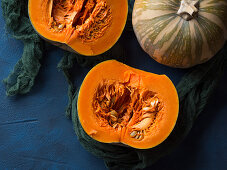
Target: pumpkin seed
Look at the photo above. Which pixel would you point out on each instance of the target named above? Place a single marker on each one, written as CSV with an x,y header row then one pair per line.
x,y
147,109
146,115
113,118
113,113
154,102
133,134
137,136
61,26
141,136
145,123
115,125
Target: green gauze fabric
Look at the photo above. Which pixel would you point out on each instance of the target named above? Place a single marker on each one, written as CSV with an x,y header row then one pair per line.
x,y
194,89
22,78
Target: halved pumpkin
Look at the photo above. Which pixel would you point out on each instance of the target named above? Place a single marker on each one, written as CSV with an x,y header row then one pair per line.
x,y
121,104
88,27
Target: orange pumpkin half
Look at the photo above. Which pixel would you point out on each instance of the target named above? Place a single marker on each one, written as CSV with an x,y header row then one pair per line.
x,y
88,27
121,104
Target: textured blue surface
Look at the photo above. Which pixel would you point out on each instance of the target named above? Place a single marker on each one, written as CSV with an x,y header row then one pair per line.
x,y
35,134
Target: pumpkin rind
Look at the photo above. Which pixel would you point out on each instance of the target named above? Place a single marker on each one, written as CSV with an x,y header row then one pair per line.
x,y
173,41
113,71
69,35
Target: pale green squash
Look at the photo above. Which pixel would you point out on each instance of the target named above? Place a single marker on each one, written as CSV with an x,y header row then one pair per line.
x,y
180,33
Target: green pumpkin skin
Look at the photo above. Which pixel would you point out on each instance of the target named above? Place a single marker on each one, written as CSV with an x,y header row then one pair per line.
x,y
171,40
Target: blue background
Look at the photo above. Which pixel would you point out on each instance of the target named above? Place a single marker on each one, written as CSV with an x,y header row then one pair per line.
x,y
35,134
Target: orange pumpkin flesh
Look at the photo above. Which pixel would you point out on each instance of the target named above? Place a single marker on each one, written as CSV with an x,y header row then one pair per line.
x,y
88,27
121,104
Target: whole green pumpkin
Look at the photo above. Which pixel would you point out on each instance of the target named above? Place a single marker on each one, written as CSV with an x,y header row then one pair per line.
x,y
180,33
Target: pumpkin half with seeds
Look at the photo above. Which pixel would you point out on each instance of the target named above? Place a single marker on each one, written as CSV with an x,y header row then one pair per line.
x,y
180,33
88,27
121,104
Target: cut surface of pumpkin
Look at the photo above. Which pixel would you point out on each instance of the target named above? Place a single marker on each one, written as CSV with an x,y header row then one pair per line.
x,y
120,104
88,27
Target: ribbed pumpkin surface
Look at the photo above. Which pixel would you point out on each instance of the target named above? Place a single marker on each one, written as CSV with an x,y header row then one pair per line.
x,y
174,41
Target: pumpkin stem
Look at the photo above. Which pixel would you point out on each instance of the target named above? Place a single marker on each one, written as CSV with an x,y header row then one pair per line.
x,y
188,9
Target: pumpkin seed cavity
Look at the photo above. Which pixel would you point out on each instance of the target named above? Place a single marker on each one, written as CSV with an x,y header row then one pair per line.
x,y
117,105
88,18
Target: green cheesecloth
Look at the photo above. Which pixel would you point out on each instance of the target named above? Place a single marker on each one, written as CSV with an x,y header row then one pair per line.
x,y
194,89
